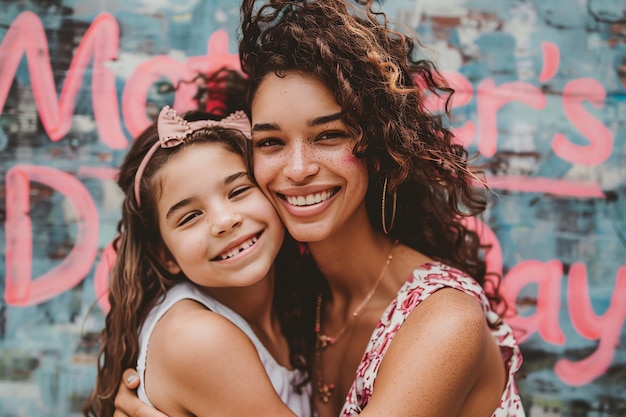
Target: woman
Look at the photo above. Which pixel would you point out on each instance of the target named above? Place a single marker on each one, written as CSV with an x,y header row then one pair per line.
x,y
378,189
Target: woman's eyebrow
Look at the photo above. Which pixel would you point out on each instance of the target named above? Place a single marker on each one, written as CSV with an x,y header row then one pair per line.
x,y
268,127
264,127
322,120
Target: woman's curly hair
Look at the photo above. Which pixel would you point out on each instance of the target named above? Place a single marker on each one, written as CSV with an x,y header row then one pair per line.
x,y
380,83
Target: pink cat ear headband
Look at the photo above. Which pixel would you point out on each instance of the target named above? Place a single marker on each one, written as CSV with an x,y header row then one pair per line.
x,y
173,130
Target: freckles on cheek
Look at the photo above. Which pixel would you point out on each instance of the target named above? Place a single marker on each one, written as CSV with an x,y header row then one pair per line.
x,y
265,169
260,172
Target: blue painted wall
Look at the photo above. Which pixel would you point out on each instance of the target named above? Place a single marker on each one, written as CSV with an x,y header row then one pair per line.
x,y
541,94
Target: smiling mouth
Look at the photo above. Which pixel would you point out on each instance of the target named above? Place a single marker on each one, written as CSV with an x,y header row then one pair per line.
x,y
309,199
237,250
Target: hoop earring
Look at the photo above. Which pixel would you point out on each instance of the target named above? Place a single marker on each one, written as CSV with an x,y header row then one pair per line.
x,y
393,210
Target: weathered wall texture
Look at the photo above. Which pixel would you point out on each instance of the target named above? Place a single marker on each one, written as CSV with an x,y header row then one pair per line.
x,y
541,95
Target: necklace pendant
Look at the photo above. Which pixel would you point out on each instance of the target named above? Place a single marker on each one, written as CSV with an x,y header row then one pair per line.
x,y
325,341
325,391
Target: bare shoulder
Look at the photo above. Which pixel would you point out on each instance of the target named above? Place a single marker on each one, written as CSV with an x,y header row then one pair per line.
x,y
202,364
190,335
449,321
192,354
446,342
448,309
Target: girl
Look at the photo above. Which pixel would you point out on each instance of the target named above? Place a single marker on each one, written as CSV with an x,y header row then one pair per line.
x,y
195,267
405,319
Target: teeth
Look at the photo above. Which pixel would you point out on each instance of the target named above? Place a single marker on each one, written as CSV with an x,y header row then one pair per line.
x,y
310,199
245,245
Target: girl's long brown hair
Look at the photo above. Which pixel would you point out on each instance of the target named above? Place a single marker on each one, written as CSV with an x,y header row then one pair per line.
x,y
138,280
381,82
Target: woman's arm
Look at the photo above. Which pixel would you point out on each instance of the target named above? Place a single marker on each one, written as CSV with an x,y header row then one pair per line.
x,y
127,404
205,366
443,362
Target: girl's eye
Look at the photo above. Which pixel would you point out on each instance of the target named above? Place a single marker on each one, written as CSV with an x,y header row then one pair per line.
x,y
188,217
239,190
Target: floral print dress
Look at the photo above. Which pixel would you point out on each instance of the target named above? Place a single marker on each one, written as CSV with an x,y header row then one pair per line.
x,y
424,282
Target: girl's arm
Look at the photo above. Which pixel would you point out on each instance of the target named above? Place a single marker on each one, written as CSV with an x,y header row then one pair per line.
x,y
202,364
442,362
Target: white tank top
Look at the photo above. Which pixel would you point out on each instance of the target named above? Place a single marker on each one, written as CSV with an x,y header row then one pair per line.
x,y
282,378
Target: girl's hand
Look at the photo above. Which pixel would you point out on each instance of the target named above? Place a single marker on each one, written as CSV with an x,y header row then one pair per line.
x,y
127,404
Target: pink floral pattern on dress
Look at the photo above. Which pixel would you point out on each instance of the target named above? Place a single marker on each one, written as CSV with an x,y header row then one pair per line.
x,y
425,281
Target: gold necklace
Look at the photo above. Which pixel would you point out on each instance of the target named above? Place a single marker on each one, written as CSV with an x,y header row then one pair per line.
x,y
322,341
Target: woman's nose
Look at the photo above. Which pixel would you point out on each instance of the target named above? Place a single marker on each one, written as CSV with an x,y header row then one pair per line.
x,y
301,163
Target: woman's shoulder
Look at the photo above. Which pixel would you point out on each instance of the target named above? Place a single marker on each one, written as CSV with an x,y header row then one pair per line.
x,y
442,339
440,298
425,271
431,277
450,309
